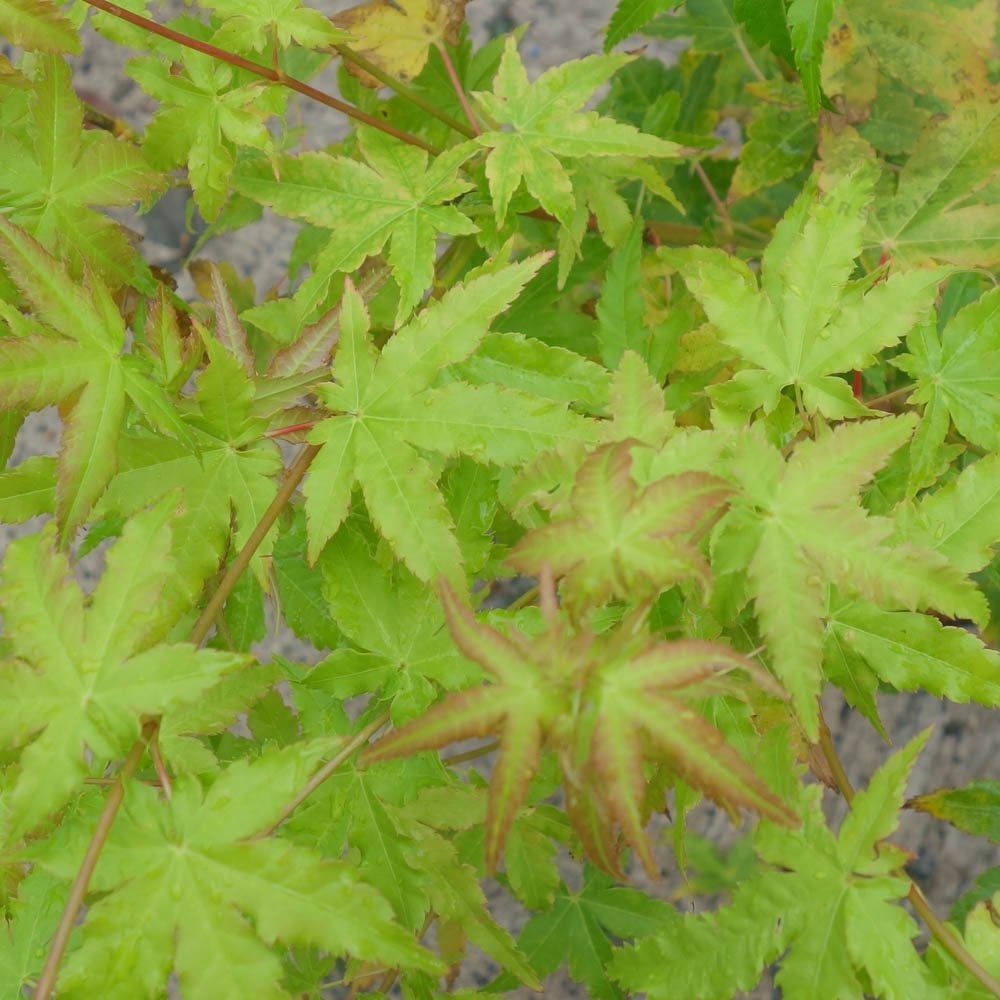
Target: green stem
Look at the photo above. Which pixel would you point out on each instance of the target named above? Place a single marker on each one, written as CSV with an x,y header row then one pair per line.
x,y
407,93
266,72
941,931
78,891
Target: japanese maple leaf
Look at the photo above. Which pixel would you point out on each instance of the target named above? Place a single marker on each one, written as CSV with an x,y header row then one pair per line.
x,y
605,704
957,375
395,623
546,126
71,355
579,928
805,322
945,203
252,25
388,409
52,172
829,911
394,198
207,112
81,672
228,472
638,542
189,889
396,35
798,525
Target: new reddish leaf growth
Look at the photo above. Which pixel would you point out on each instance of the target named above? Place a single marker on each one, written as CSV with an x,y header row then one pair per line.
x,y
604,704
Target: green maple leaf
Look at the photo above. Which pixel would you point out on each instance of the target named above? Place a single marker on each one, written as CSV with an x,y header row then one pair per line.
x,y
639,542
830,908
394,198
959,520
231,475
710,24
546,126
799,526
974,808
38,24
957,374
252,25
52,173
71,355
944,207
401,651
808,23
185,878
629,17
83,675
806,321
32,919
579,927
780,140
388,406
207,111
605,704
914,652
846,917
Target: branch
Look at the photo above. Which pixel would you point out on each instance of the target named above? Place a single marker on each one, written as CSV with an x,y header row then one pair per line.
x,y
267,72
78,891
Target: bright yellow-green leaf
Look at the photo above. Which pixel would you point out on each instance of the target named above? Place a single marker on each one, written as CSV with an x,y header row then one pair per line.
x,y
37,24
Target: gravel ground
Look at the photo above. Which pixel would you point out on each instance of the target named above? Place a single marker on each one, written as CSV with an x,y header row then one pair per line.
x,y
964,742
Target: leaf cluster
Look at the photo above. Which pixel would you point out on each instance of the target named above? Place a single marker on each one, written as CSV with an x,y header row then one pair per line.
x,y
728,415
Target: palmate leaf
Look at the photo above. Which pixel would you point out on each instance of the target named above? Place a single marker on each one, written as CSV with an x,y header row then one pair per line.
x,y
547,125
402,652
52,173
605,704
631,16
207,112
806,322
394,198
228,482
960,519
914,652
83,677
945,206
184,879
808,21
397,35
958,372
75,359
252,25
830,906
387,407
808,529
578,928
638,542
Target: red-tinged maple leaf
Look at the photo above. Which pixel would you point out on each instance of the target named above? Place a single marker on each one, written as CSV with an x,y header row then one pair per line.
x,y
605,704
639,541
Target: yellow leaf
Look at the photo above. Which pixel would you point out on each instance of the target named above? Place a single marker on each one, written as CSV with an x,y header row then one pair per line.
x,y
396,35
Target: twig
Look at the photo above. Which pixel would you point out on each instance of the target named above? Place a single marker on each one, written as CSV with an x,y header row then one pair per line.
x,y
407,93
459,90
78,891
258,69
